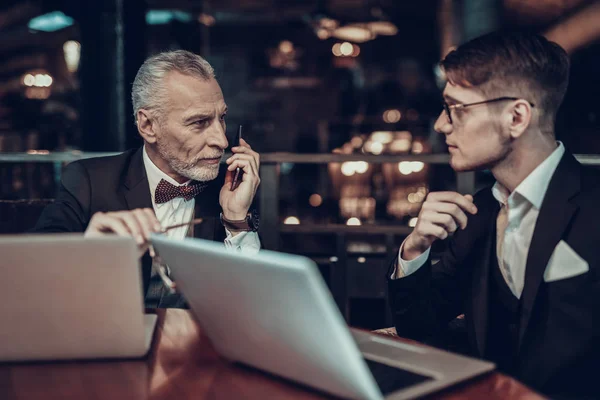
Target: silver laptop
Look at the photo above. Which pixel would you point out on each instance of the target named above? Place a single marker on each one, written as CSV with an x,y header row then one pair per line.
x,y
274,312
69,297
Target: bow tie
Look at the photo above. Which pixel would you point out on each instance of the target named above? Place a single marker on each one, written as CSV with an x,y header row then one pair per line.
x,y
166,191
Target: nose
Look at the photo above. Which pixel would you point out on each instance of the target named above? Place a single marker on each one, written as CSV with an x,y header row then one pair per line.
x,y
442,125
216,136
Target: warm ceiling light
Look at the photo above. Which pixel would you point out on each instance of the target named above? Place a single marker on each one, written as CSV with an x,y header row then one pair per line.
x,y
353,222
72,52
417,166
356,142
315,200
291,221
28,80
336,50
400,145
384,137
206,19
286,47
377,148
357,33
323,34
392,116
361,167
405,168
348,168
417,147
346,48
384,28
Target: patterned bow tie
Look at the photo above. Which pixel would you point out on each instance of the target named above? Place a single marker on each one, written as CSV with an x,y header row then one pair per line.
x,y
166,191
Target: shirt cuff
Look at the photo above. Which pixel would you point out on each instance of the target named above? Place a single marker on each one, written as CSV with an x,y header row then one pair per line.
x,y
407,267
244,242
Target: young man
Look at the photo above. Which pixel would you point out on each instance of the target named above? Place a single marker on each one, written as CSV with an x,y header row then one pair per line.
x,y
180,114
522,260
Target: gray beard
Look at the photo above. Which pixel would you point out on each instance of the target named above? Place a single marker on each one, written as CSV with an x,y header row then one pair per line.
x,y
187,169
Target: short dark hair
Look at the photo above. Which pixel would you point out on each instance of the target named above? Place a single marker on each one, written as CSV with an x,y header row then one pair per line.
x,y
518,64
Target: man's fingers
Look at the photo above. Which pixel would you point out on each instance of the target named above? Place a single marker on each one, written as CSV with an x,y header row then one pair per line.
x,y
245,148
464,202
449,209
106,223
244,164
145,222
132,223
446,221
428,229
152,218
246,157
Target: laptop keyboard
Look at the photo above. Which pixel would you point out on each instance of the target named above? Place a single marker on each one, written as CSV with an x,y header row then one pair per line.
x,y
390,379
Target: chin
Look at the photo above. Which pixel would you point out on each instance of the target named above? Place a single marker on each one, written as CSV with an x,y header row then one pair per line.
x,y
202,174
461,165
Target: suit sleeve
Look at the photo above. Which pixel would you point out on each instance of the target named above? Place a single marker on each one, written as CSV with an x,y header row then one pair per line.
x,y
423,302
70,212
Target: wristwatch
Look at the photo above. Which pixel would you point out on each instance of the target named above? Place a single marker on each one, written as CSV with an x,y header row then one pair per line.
x,y
250,224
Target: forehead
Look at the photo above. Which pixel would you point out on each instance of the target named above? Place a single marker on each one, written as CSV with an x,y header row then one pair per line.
x,y
461,94
184,92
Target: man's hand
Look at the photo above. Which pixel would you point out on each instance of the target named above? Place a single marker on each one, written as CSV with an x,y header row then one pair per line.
x,y
235,204
442,214
138,224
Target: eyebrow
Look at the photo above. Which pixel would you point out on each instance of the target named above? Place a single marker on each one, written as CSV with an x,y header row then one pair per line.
x,y
452,99
196,117
200,116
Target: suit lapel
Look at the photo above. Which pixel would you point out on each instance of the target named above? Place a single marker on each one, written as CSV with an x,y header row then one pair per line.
x,y
137,190
555,214
481,274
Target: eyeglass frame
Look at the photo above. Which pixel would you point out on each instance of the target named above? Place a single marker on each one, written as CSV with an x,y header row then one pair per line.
x,y
448,108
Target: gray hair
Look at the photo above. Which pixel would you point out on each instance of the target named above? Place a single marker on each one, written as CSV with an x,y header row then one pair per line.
x,y
147,89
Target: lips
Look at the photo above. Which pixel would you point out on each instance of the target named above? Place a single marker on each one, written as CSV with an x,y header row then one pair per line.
x,y
211,160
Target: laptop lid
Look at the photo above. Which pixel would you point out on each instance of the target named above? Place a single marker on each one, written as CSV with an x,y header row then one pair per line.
x,y
271,311
70,297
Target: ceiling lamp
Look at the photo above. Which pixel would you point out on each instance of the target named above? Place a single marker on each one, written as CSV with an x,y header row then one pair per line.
x,y
357,33
50,22
72,52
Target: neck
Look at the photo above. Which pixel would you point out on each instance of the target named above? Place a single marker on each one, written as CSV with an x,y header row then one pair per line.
x,y
162,164
525,156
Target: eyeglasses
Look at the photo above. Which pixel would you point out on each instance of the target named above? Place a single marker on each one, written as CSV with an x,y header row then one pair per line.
x,y
448,108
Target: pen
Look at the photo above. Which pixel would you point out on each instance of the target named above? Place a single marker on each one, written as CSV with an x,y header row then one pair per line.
x,y
157,263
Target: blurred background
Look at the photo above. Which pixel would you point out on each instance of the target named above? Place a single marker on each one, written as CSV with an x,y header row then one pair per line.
x,y
339,96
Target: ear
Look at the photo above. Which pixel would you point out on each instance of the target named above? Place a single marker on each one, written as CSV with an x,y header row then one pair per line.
x,y
147,125
520,118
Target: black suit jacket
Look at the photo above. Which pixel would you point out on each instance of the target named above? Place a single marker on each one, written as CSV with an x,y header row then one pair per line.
x,y
119,183
559,330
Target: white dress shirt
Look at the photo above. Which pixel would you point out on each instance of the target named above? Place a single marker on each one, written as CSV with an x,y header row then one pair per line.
x,y
523,209
179,211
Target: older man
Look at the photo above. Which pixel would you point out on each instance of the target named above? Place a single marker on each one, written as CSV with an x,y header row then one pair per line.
x,y
174,177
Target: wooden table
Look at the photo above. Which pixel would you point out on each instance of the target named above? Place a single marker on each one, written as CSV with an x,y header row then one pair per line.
x,y
183,365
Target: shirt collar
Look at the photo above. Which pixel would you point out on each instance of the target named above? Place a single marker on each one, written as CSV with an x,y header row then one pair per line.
x,y
534,186
155,174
